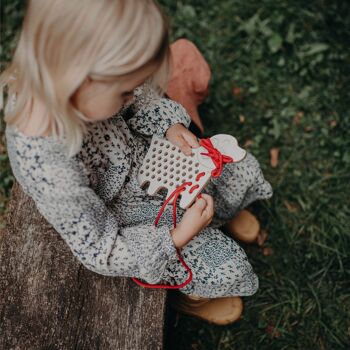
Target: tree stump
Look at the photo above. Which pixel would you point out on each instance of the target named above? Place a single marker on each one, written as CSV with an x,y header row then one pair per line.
x,y
49,300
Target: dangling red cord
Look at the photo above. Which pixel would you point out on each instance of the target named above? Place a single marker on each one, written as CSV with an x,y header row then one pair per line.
x,y
175,194
219,160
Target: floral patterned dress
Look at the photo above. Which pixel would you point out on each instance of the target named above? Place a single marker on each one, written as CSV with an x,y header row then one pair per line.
x,y
94,201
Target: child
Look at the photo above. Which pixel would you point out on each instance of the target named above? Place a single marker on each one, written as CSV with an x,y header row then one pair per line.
x,y
78,127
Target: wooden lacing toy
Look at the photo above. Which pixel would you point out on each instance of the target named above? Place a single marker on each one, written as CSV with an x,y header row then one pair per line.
x,y
167,167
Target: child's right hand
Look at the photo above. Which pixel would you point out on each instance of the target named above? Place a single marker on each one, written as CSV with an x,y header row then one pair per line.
x,y
197,217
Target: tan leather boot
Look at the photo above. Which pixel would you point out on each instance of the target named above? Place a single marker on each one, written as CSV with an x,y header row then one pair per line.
x,y
244,227
219,311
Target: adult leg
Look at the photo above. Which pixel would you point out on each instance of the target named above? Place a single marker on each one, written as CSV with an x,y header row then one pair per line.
x,y
190,78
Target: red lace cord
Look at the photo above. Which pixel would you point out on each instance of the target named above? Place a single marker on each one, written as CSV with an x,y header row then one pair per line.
x,y
218,160
175,194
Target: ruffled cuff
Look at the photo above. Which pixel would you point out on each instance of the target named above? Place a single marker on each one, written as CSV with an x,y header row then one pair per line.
x,y
152,248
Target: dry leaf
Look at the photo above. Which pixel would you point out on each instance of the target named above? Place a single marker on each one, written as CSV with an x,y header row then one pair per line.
x,y
272,330
241,119
248,143
267,251
262,237
333,124
2,149
297,118
291,207
236,91
274,154
308,129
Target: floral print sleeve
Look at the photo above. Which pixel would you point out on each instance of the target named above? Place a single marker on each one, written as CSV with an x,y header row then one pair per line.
x,y
59,187
154,115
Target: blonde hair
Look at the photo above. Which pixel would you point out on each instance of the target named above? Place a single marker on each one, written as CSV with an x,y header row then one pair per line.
x,y
64,41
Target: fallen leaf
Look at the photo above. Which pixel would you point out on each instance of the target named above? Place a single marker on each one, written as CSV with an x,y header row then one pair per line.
x,y
332,123
297,118
308,129
291,207
248,143
274,154
241,119
2,149
236,91
272,330
262,237
267,251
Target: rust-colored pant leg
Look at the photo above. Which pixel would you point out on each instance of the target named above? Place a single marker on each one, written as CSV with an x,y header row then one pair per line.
x,y
189,83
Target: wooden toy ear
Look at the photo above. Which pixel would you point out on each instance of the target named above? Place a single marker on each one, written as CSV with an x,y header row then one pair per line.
x,y
228,145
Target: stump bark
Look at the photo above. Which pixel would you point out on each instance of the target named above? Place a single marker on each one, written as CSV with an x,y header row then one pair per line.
x,y
50,301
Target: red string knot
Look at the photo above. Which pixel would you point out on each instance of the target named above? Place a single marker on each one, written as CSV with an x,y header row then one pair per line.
x,y
217,157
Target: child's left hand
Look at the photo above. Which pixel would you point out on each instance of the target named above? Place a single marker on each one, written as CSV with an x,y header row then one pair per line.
x,y
183,138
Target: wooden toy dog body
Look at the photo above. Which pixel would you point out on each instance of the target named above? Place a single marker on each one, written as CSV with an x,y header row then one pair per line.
x,y
167,167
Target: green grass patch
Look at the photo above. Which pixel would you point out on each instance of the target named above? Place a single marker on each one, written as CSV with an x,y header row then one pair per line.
x,y
281,79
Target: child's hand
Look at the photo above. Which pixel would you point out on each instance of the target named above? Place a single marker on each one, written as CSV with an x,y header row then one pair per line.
x,y
182,137
197,217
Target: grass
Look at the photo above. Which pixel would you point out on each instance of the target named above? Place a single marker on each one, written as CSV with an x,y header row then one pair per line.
x,y
280,80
